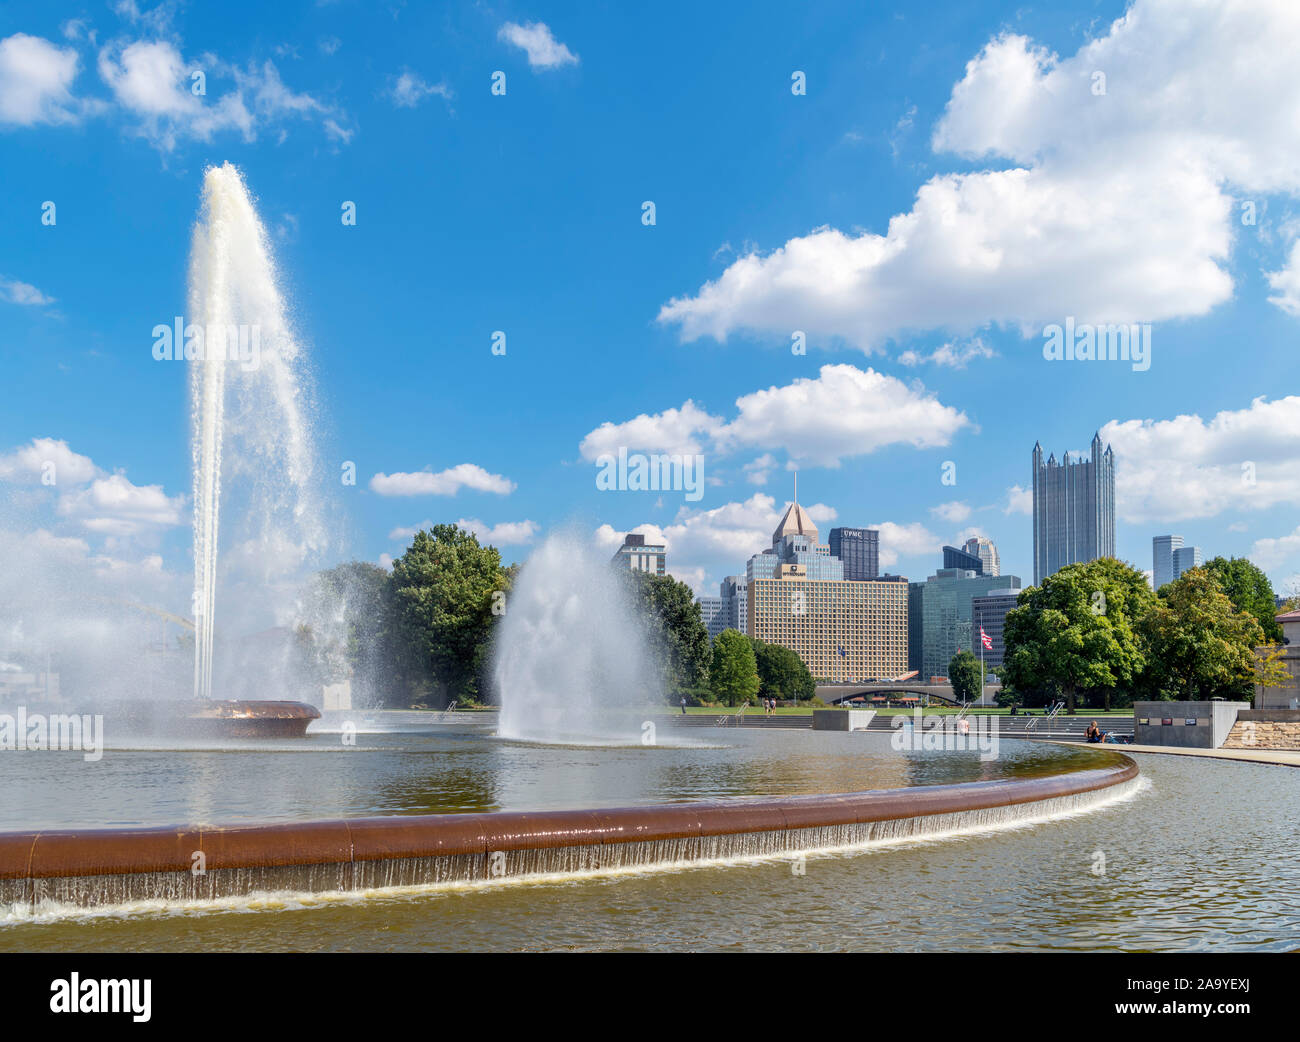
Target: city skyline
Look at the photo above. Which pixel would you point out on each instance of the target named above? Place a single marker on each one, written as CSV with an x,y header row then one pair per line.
x,y
906,406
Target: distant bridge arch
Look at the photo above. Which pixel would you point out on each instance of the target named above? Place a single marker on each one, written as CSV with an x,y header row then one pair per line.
x,y
836,694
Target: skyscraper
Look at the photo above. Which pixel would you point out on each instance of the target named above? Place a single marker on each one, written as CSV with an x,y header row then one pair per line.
x,y
795,542
940,615
735,605
961,559
1074,509
983,548
858,550
640,556
1162,559
711,612
798,597
989,613
1186,557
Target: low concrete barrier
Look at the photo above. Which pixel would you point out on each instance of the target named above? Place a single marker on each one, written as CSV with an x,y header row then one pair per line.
x,y
1192,725
118,866
842,719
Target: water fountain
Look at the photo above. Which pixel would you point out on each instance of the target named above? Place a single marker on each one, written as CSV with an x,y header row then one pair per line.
x,y
244,358
573,667
571,663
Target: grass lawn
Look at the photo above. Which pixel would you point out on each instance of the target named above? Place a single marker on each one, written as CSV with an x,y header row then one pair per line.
x,y
932,711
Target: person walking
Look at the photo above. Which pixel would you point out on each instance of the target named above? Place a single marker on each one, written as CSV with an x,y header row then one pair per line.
x,y
683,705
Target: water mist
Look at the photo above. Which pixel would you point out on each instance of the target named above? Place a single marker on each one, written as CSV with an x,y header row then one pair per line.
x,y
250,410
572,662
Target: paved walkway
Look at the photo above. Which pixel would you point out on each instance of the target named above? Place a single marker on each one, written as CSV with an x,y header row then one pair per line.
x,y
1282,757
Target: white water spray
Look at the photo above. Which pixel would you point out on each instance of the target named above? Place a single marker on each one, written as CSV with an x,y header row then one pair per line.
x,y
249,408
572,662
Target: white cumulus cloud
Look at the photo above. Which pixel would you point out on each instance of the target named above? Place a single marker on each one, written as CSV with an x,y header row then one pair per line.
x,y
1187,467
48,461
671,431
841,413
36,82
953,512
1117,206
537,41
444,483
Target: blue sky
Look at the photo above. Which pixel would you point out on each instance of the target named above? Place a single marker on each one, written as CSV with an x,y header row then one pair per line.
x,y
950,182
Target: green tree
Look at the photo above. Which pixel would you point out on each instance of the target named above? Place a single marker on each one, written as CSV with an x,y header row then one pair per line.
x,y
1201,645
679,640
442,591
782,673
733,677
966,674
1248,588
1075,633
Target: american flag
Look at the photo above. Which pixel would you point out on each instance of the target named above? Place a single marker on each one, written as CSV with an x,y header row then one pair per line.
x,y
986,640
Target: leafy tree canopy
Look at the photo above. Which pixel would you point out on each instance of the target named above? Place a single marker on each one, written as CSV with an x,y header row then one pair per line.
x,y
1076,632
442,588
966,674
1201,646
733,677
678,637
1249,590
782,673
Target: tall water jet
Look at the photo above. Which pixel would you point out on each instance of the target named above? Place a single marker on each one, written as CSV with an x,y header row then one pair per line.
x,y
249,410
573,662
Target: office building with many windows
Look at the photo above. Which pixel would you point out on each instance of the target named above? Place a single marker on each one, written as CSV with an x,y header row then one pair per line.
x,y
640,556
954,558
843,629
795,543
711,611
1074,509
798,597
735,603
1162,559
984,548
858,550
1186,557
940,616
989,613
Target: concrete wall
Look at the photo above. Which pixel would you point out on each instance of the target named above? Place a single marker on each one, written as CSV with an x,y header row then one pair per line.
x,y
842,719
1288,695
337,696
1193,725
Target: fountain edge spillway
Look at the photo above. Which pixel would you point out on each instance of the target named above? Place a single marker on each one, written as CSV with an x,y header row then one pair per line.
x,y
89,868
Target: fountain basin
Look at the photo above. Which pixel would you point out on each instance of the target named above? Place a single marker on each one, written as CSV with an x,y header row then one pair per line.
x,y
193,863
208,718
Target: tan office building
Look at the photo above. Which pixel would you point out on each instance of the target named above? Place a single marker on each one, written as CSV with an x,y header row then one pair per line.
x,y
842,629
1288,695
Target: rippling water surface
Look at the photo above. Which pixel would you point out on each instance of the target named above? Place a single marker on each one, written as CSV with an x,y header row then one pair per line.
x,y
463,768
1204,856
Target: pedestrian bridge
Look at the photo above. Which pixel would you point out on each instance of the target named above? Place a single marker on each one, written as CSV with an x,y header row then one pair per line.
x,y
834,694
